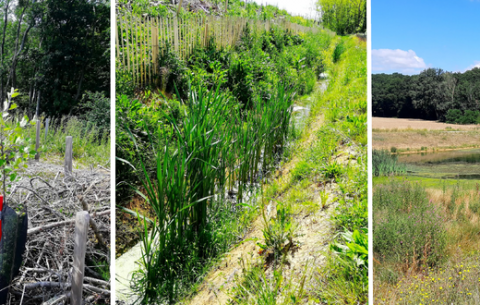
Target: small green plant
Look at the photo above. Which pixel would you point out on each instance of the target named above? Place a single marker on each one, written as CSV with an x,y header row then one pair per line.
x,y
323,198
278,233
255,287
393,149
302,170
333,170
15,148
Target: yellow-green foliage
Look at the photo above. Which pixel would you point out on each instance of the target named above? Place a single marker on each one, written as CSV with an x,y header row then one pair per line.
x,y
344,16
346,95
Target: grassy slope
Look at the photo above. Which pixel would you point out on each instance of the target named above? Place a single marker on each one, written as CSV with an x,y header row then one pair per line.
x,y
321,189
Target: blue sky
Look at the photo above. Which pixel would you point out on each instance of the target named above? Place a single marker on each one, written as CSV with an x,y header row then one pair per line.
x,y
409,36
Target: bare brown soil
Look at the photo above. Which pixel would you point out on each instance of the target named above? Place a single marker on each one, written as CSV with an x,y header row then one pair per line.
x,y
397,124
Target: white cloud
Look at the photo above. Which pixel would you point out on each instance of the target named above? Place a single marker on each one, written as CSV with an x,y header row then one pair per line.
x,y
397,60
475,65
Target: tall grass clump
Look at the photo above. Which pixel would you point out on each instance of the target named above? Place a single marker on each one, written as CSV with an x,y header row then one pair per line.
x,y
385,164
218,150
409,230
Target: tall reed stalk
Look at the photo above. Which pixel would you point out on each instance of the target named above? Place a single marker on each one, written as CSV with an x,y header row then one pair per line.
x,y
215,149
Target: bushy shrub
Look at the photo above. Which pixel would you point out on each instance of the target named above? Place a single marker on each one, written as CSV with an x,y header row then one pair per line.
x,y
95,108
337,53
456,116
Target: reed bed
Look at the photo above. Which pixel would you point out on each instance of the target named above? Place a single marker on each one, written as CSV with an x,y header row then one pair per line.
x,y
386,164
220,155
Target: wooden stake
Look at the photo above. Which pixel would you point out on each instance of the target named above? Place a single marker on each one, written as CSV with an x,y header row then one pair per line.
x,y
46,128
68,156
175,35
179,6
81,229
37,141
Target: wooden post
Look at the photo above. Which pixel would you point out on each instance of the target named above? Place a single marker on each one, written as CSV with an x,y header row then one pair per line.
x,y
68,155
179,6
81,229
175,35
37,141
46,128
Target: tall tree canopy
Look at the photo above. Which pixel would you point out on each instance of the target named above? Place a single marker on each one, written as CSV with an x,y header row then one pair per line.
x,y
429,95
344,16
54,52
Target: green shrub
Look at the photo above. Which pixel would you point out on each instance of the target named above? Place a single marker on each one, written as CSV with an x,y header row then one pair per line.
x,y
337,53
457,116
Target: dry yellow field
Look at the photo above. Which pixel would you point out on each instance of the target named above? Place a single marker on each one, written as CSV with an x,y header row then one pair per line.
x,y
413,134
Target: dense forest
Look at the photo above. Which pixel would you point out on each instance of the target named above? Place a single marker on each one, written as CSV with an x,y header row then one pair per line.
x,y
57,54
433,94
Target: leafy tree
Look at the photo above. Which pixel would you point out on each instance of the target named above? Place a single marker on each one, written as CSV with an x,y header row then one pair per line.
x,y
54,52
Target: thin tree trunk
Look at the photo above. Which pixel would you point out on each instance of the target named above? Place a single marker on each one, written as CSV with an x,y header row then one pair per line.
x,y
5,21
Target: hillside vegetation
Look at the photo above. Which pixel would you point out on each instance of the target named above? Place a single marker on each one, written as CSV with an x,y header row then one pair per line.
x,y
240,8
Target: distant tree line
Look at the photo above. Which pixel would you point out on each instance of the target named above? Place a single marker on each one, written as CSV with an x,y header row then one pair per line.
x,y
57,53
431,95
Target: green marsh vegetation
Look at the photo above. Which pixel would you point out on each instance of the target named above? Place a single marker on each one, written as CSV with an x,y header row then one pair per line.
x,y
386,163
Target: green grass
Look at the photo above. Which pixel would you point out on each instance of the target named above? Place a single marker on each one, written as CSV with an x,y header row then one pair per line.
x,y
407,227
91,145
255,287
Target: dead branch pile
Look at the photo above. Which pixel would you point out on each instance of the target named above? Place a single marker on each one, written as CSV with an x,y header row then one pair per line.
x,y
52,200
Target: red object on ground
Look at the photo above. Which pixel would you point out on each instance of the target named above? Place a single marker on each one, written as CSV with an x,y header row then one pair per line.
x,y
1,208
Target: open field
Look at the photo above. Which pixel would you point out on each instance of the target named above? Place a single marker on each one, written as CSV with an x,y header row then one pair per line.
x,y
416,139
401,124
